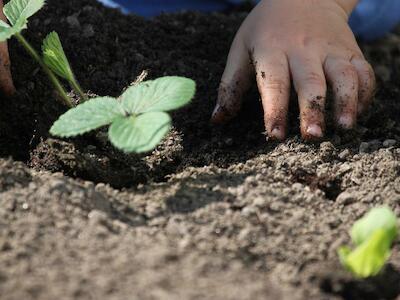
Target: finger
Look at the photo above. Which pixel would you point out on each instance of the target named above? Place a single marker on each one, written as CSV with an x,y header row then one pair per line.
x,y
366,83
310,85
6,83
235,81
273,81
343,78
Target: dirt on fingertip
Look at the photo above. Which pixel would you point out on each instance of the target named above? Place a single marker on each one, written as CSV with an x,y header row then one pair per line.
x,y
214,212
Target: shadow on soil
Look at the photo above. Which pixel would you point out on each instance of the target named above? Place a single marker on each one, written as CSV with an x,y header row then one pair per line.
x,y
385,286
199,191
182,202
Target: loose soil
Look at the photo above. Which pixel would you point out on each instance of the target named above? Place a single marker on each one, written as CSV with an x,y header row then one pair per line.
x,y
213,212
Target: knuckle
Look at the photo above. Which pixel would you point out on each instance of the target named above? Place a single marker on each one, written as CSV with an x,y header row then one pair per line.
x,y
270,42
345,80
314,79
346,71
305,41
276,84
351,71
368,74
365,71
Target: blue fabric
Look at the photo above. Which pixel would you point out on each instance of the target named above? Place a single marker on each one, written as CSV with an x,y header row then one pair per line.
x,y
370,20
150,8
373,18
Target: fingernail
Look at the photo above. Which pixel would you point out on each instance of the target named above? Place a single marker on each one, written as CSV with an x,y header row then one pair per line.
x,y
314,130
346,121
277,133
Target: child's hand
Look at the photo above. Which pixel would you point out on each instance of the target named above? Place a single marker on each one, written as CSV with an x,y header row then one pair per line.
x,y
6,83
308,42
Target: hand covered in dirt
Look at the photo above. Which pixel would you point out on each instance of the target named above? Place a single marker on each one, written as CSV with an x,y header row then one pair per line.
x,y
309,43
6,83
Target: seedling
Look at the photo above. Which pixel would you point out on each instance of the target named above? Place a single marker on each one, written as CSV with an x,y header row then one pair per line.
x,y
373,236
138,117
53,60
54,57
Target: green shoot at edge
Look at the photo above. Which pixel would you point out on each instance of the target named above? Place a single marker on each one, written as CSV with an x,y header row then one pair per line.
x,y
372,236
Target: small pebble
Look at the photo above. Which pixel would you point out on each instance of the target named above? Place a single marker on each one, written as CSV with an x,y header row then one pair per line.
x,y
364,147
91,148
344,168
346,198
344,154
73,22
374,145
389,143
97,217
229,142
327,146
297,186
327,150
244,234
260,202
248,211
88,31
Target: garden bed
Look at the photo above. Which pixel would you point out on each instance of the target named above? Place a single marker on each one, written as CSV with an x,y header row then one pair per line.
x,y
213,212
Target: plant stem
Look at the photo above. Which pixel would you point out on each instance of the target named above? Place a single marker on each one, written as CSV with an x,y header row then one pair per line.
x,y
77,87
67,101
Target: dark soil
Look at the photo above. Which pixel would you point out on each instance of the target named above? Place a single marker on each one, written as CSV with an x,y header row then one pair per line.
x,y
212,213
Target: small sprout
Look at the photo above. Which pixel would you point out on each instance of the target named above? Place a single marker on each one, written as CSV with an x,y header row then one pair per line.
x,y
54,57
138,117
373,236
54,60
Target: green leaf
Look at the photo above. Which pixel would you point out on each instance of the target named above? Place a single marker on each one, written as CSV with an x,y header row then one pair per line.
x,y
343,253
163,94
139,134
370,257
55,58
4,24
6,31
377,218
17,10
87,116
373,235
